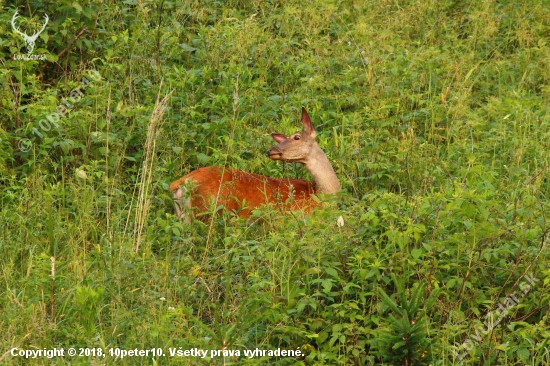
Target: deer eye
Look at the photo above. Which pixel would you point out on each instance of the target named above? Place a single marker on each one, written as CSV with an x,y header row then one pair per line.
x,y
297,137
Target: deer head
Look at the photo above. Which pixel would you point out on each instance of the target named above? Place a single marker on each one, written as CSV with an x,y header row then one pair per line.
x,y
30,40
301,147
295,148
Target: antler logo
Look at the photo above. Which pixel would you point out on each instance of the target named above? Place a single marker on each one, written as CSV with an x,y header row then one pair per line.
x,y
29,39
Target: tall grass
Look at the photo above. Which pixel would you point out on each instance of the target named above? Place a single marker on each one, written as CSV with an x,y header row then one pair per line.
x,y
435,115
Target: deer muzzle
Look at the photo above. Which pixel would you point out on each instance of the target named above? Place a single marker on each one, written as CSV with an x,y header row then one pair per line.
x,y
274,153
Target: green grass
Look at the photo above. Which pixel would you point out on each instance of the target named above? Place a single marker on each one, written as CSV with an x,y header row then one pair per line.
x,y
435,115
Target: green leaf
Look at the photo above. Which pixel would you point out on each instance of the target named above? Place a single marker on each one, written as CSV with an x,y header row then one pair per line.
x,y
332,272
417,253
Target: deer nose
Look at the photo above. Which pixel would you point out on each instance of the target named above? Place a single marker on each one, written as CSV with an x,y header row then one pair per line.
x,y
273,152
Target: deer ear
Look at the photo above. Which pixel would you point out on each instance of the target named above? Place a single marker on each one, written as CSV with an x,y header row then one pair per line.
x,y
307,123
279,137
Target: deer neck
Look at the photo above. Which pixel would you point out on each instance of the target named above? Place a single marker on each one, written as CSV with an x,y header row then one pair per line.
x,y
320,168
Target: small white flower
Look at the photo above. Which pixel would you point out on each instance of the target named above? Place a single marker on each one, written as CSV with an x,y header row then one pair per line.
x,y
80,173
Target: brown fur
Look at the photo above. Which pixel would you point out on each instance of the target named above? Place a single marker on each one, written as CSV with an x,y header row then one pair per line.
x,y
242,192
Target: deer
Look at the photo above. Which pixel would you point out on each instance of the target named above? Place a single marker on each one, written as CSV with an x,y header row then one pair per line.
x,y
242,192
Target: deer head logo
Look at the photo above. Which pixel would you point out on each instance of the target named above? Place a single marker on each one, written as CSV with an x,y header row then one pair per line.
x,y
28,39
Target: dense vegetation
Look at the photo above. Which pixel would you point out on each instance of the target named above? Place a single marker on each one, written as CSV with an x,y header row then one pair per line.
x,y
435,115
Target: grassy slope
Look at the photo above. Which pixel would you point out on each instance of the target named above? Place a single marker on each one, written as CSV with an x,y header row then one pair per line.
x,y
435,115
